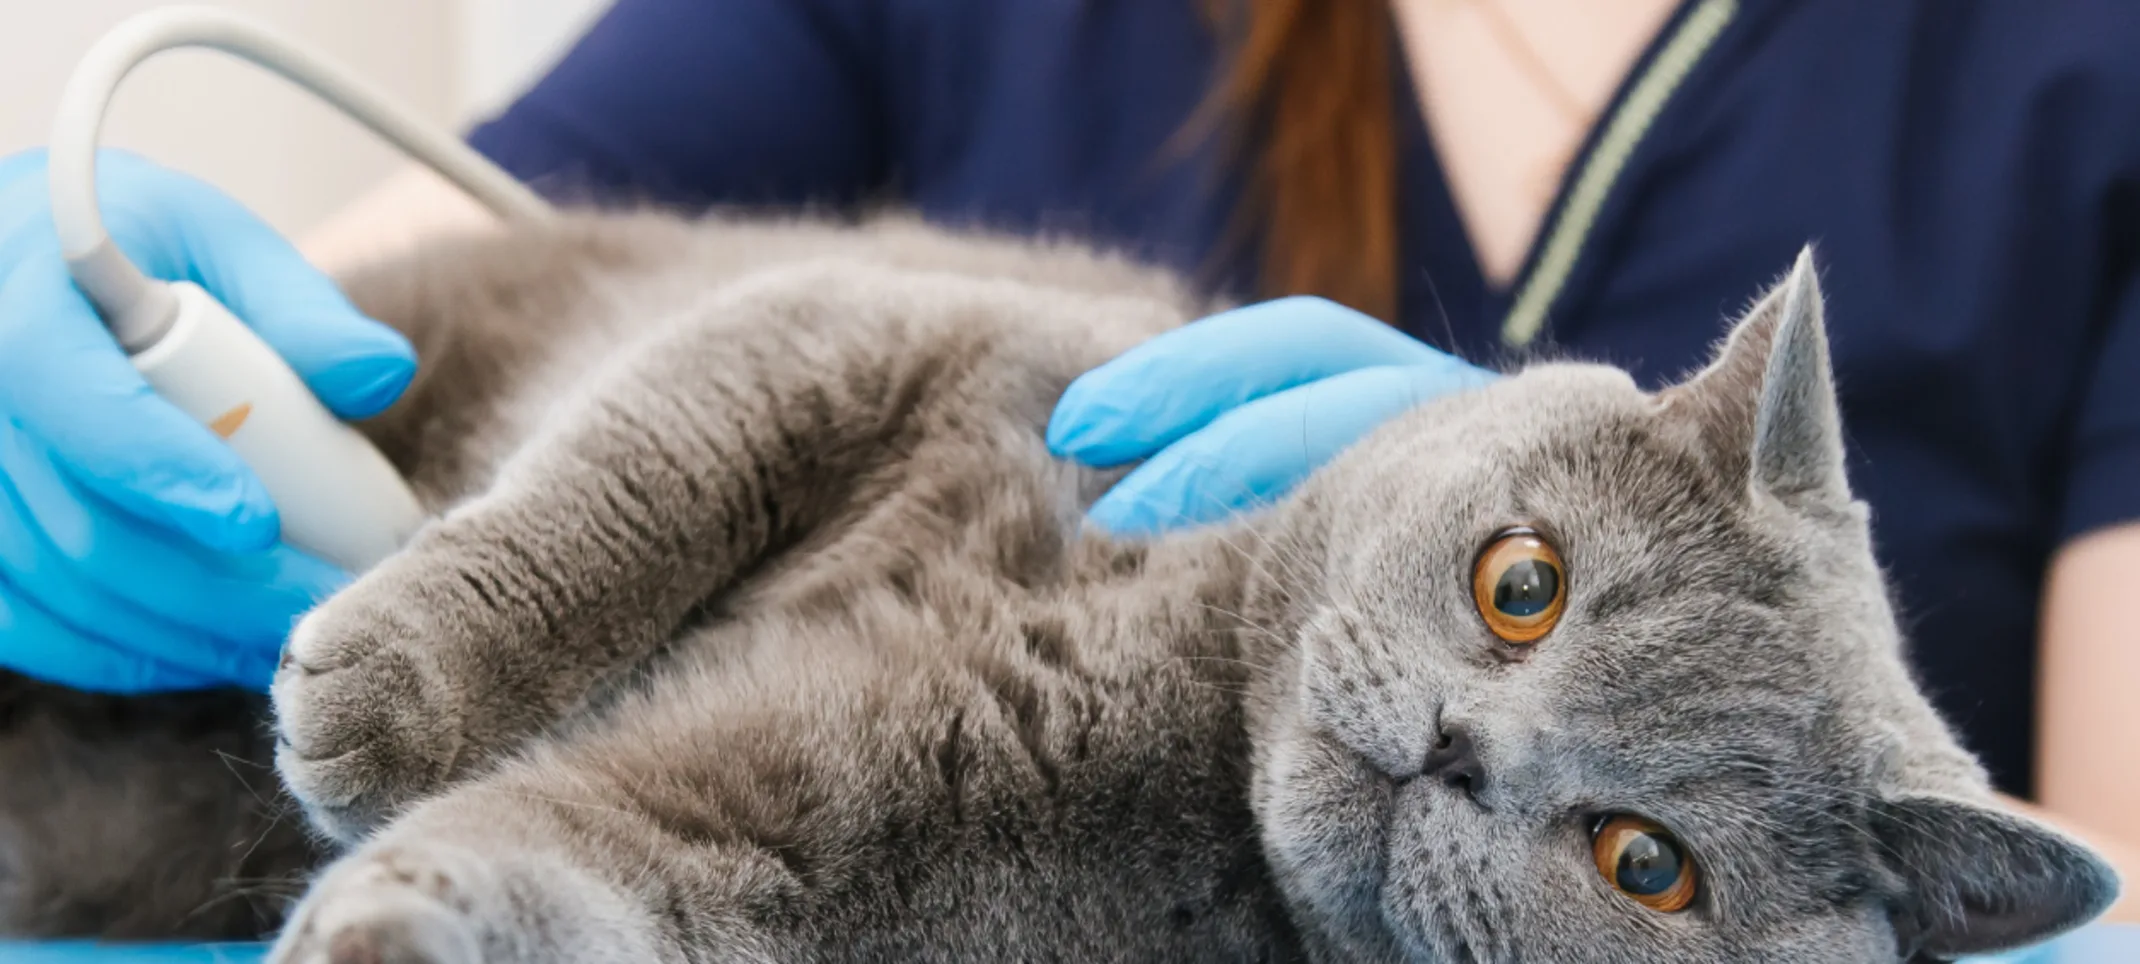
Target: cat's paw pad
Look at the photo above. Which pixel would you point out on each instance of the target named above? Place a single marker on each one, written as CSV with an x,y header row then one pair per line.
x,y
396,906
366,722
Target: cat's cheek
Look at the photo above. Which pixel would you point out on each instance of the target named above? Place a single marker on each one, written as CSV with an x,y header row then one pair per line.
x,y
1381,706
1468,883
1325,814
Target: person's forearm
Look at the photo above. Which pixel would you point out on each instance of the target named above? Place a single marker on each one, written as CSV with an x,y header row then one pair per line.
x,y
407,208
2088,700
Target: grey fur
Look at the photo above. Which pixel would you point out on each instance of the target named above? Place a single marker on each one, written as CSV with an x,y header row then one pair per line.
x,y
142,819
757,625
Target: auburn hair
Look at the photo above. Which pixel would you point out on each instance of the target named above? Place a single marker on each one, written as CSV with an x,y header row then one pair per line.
x,y
1309,87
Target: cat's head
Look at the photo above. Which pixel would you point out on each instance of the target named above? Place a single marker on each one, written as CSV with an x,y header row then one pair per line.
x,y
1581,673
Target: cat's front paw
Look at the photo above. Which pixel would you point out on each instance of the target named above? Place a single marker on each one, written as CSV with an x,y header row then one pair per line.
x,y
393,906
366,721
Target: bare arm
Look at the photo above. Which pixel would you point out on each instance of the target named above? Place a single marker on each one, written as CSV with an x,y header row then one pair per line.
x,y
408,207
2088,721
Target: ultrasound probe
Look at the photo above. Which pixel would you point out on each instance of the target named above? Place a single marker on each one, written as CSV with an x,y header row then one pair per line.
x,y
338,498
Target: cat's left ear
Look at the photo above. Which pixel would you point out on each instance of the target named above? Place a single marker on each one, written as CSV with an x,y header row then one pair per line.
x,y
1980,880
1768,400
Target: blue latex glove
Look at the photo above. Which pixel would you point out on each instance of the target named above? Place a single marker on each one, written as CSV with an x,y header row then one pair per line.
x,y
1234,410
137,553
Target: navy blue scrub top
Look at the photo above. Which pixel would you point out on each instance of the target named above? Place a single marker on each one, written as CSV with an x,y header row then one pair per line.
x,y
1970,170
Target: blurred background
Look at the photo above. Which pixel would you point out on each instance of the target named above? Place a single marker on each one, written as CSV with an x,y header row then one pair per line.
x,y
246,131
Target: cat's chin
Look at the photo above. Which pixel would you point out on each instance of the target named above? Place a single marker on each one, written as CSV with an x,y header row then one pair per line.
x,y
1382,868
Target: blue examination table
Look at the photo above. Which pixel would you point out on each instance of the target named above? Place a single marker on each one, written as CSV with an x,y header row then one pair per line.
x,y
2095,945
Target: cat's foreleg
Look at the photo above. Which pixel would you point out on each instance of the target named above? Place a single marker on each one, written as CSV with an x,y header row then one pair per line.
x,y
569,854
463,882
770,411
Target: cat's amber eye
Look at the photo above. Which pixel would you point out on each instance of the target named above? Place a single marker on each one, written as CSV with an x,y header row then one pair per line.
x,y
1519,585
1645,862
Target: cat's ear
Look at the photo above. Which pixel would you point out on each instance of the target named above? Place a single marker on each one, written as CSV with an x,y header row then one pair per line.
x,y
1768,400
1979,880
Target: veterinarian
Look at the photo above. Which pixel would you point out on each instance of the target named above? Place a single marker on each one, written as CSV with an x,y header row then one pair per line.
x,y
1495,179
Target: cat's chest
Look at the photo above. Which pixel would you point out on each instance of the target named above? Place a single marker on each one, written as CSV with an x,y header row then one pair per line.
x,y
1091,764
1083,740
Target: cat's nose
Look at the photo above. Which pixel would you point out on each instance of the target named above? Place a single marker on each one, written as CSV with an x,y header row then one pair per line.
x,y
1454,760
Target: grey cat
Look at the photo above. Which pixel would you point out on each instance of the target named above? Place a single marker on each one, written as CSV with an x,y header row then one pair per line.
x,y
758,624
767,631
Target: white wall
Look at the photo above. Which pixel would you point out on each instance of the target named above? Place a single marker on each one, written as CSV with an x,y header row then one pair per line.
x,y
507,43
284,155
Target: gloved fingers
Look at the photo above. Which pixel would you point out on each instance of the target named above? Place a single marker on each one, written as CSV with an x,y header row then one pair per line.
x,y
64,381
86,561
175,227
1180,381
196,233
39,646
25,210
87,611
1255,454
29,163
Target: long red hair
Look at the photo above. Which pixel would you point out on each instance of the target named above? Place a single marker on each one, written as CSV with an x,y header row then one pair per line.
x,y
1310,81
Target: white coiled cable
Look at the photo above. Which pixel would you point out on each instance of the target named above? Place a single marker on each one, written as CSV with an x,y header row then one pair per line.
x,y
337,496
137,309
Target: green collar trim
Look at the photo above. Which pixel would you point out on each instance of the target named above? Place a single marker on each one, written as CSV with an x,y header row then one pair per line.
x,y
1601,170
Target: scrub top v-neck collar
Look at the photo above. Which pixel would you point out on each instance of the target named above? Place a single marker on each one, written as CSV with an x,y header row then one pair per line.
x,y
1441,270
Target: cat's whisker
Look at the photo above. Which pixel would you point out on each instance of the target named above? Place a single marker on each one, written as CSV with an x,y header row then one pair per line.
x,y
1235,691
287,888
1251,502
274,821
1229,660
1291,564
230,762
1242,621
1244,685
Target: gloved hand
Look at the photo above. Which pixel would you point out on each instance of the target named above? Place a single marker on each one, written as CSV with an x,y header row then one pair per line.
x,y
137,553
1234,410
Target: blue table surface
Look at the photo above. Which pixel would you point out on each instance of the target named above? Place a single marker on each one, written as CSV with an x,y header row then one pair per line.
x,y
2092,945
